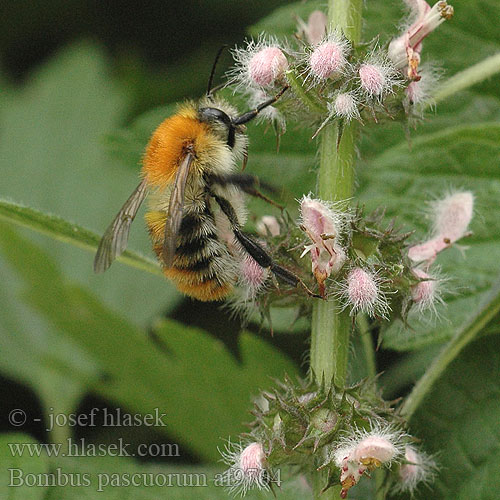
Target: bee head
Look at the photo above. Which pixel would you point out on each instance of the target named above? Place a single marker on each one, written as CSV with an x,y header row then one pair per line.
x,y
220,121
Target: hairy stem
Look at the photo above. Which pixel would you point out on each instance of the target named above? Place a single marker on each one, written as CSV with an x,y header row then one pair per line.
x,y
345,15
367,342
331,327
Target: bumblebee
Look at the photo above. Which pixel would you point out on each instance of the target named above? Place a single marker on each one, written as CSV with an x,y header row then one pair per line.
x,y
197,206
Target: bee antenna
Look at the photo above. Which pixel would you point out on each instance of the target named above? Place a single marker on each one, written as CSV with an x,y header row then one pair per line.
x,y
212,73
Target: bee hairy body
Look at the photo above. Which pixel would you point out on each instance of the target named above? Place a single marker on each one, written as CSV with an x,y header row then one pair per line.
x,y
203,266
197,209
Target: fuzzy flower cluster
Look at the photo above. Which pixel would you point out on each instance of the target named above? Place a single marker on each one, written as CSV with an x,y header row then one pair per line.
x,y
451,217
405,50
355,282
364,451
337,253
260,68
324,224
327,62
347,438
343,80
247,468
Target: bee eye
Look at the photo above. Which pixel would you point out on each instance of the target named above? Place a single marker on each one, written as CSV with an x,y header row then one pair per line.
x,y
214,114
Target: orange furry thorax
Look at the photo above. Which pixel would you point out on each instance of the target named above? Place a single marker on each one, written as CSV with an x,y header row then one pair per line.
x,y
200,270
168,144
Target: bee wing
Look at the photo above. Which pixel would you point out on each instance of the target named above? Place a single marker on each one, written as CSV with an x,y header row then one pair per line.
x,y
114,240
175,210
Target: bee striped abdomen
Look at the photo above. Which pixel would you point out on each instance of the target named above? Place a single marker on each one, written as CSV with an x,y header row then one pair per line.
x,y
200,268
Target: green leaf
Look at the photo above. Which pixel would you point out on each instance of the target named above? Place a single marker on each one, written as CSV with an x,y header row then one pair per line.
x,y
182,371
68,232
478,320
31,352
463,157
53,160
459,422
404,373
465,108
13,467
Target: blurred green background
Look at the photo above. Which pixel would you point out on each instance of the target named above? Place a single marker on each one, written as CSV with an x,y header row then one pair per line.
x,y
72,74
83,84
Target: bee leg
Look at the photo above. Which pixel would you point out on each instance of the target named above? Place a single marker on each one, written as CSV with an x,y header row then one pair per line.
x,y
260,255
245,159
248,184
250,115
257,251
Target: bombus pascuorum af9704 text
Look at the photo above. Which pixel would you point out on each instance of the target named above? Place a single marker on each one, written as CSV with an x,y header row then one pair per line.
x,y
197,206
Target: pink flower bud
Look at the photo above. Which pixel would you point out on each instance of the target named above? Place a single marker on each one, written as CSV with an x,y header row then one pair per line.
x,y
424,294
316,27
247,468
453,215
268,224
409,472
373,80
363,290
327,59
421,89
418,468
267,65
374,451
413,92
363,293
346,106
252,460
377,76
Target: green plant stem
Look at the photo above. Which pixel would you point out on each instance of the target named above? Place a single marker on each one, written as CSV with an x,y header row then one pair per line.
x,y
484,314
367,343
346,16
329,343
330,326
465,79
371,367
